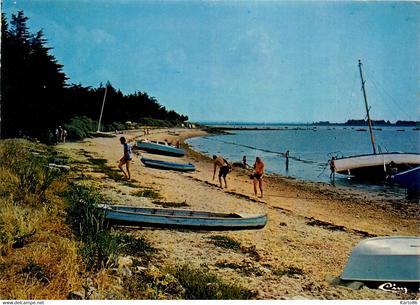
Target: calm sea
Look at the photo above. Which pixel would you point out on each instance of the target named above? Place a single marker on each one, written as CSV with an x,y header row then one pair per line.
x,y
310,148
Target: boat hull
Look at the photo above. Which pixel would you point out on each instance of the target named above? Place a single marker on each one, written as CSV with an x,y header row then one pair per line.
x,y
175,218
373,166
183,167
383,260
160,149
409,179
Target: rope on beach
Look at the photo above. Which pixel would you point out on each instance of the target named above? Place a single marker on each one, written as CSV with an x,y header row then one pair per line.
x,y
266,150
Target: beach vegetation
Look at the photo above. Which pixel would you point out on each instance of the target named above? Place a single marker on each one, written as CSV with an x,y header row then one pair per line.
x,y
25,174
38,255
147,193
101,246
224,241
80,127
154,284
201,284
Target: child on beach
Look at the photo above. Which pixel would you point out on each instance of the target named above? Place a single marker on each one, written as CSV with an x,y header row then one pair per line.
x,y
126,158
258,175
224,169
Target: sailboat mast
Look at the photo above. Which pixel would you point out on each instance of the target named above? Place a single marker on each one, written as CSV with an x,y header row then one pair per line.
x,y
367,108
102,109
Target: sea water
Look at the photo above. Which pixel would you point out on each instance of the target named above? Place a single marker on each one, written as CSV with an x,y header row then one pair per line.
x,y
309,147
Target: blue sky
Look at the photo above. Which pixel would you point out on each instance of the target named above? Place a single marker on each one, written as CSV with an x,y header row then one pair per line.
x,y
258,61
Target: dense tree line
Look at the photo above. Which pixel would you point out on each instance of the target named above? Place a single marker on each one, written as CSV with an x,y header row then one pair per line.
x,y
35,97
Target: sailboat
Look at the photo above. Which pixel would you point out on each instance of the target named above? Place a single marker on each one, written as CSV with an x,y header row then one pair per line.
x,y
375,166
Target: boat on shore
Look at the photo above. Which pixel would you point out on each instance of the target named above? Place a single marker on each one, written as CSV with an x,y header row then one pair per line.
x,y
389,263
409,179
160,148
374,166
177,218
183,167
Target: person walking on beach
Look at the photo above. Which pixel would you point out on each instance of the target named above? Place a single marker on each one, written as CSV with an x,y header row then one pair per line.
x,y
126,158
258,175
224,169
332,169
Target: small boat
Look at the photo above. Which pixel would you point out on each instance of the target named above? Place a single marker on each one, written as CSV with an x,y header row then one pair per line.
x,y
177,218
184,167
158,148
389,263
409,179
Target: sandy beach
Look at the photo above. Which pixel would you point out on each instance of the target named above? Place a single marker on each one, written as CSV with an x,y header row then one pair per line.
x,y
311,227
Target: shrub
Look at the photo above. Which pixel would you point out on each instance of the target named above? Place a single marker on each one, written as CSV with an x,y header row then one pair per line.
x,y
80,127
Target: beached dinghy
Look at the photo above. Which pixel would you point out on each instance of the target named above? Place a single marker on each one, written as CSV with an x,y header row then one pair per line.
x,y
158,148
183,167
389,263
177,218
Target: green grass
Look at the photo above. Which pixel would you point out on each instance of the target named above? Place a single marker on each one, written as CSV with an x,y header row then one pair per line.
x,y
200,284
224,241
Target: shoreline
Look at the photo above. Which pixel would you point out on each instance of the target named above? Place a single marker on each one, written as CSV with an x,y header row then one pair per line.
x,y
315,185
311,227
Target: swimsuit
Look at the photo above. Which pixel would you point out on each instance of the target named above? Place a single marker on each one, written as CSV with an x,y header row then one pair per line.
x,y
224,170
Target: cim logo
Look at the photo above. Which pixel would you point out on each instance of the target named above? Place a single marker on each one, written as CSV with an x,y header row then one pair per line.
x,y
391,287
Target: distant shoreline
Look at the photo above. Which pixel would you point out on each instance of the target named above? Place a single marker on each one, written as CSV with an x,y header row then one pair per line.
x,y
222,128
276,126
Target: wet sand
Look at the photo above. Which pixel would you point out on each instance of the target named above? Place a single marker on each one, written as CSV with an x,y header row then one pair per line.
x,y
311,230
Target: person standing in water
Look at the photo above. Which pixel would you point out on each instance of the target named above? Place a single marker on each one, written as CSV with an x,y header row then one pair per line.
x,y
244,162
287,159
224,169
332,169
258,175
126,159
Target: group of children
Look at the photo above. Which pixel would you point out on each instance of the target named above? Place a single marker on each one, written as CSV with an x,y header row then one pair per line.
x,y
225,167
